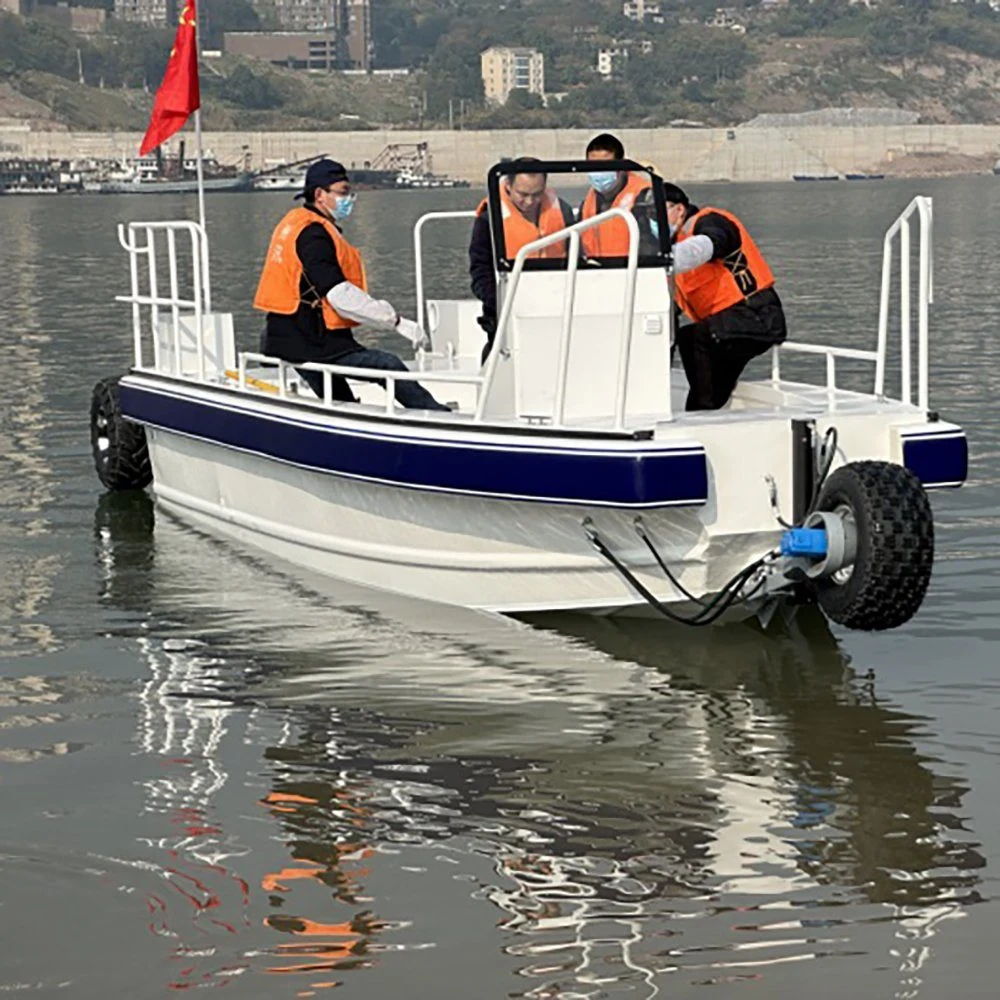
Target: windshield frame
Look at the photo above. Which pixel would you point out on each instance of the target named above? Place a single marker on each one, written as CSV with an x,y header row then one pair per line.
x,y
661,258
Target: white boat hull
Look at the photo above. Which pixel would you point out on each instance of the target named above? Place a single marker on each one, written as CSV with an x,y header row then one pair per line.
x,y
457,567
511,554
459,544
498,555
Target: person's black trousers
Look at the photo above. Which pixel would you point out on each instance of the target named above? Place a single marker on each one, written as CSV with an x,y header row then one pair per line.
x,y
715,351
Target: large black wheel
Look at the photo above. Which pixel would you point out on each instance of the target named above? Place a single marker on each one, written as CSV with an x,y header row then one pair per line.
x,y
888,511
121,456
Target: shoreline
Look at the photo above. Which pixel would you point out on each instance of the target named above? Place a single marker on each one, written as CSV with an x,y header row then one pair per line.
x,y
696,155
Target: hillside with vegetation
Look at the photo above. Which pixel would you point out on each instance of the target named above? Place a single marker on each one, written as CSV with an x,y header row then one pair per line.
x,y
934,57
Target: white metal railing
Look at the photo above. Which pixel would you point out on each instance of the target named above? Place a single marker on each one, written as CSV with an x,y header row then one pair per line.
x,y
198,305
503,324
830,353
923,207
390,377
418,252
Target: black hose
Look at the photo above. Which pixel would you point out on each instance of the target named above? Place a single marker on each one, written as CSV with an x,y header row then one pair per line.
x,y
828,451
640,530
709,613
736,582
712,610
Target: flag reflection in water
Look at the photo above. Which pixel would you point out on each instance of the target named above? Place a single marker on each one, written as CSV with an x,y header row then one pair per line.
x,y
340,867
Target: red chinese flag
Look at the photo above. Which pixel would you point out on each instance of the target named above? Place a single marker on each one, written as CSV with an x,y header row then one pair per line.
x,y
179,94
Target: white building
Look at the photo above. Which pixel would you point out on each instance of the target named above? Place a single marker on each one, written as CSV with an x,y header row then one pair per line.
x,y
725,17
642,11
506,69
610,62
156,12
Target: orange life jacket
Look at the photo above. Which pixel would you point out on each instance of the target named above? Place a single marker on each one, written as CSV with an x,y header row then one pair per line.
x,y
719,284
519,231
279,290
610,239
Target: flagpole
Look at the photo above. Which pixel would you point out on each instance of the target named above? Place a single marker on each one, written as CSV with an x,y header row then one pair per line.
x,y
200,168
199,165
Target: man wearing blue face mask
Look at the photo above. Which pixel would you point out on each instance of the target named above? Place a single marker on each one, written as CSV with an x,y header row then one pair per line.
x,y
315,292
610,189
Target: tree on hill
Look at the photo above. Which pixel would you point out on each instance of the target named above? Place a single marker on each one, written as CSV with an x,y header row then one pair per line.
x,y
247,89
896,33
219,16
690,53
524,100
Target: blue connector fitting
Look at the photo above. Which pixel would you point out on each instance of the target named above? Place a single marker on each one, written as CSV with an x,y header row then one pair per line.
x,y
810,542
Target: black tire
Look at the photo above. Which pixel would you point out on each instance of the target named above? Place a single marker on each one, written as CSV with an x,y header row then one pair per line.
x,y
121,456
895,549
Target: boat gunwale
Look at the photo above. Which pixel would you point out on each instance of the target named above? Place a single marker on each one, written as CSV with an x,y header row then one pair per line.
x,y
684,425
399,418
634,478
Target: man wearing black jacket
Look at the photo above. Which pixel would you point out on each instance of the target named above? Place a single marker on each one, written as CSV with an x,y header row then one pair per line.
x,y
528,210
726,288
314,290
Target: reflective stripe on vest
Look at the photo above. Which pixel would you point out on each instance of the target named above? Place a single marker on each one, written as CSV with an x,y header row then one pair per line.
x,y
610,239
279,290
519,231
719,284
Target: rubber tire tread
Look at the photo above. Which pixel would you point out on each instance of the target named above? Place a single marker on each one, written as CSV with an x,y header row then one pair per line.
x,y
895,556
127,465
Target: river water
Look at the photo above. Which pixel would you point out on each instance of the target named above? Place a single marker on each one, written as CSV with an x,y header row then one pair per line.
x,y
217,773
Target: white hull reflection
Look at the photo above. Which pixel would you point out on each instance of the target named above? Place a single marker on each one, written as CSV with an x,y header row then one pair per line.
x,y
636,803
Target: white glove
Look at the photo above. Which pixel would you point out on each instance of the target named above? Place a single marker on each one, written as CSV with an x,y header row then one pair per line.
x,y
413,332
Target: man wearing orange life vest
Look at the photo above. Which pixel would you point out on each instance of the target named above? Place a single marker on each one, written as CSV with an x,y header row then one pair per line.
x,y
315,292
611,189
529,210
725,287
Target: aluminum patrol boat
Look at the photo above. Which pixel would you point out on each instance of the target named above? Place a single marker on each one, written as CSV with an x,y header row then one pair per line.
x,y
566,476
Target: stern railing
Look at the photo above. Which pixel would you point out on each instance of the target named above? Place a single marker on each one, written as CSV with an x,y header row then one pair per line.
x,y
921,206
197,306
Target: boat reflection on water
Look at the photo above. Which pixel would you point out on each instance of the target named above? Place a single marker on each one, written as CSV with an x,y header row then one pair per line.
x,y
632,799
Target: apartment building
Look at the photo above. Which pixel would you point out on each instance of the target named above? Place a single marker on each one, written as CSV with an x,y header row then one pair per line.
x,y
315,34
507,69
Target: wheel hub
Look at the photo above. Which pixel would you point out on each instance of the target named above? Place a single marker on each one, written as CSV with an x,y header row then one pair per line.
x,y
850,524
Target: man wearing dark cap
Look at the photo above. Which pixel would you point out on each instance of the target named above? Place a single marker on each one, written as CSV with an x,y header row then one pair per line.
x,y
314,291
726,288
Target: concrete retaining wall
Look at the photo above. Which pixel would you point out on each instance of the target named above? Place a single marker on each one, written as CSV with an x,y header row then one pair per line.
x,y
747,154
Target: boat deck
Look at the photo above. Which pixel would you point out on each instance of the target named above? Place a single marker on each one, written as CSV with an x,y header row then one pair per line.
x,y
754,401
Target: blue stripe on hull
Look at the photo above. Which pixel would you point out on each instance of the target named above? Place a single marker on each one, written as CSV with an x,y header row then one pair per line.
x,y
640,478
937,460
